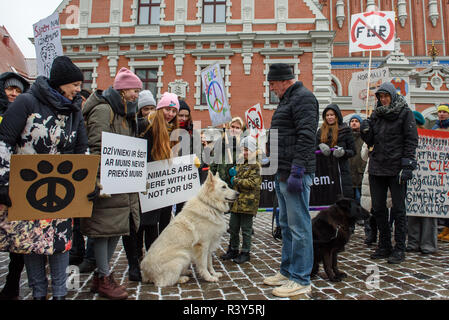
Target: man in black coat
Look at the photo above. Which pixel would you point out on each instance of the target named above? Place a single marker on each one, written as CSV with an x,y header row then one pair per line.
x,y
391,131
296,121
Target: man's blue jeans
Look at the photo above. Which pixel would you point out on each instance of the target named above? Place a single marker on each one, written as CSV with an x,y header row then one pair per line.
x,y
296,225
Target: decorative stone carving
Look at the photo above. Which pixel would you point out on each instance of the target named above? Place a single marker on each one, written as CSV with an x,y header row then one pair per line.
x,y
402,12
340,16
179,87
433,12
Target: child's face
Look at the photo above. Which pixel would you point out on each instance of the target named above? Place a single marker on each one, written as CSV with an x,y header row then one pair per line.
x,y
245,153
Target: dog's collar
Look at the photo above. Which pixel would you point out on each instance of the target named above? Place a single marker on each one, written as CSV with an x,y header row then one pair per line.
x,y
336,232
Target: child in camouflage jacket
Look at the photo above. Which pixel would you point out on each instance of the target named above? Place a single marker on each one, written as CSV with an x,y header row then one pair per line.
x,y
247,182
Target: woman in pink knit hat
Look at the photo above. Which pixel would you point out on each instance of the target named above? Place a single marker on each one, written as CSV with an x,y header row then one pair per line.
x,y
156,130
114,111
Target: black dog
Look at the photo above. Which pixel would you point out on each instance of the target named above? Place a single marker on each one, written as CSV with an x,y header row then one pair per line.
x,y
331,231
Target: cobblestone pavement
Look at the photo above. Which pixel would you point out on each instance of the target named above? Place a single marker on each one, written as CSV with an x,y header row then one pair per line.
x,y
419,277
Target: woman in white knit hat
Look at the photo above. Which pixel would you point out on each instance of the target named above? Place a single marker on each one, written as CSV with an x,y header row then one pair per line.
x,y
146,104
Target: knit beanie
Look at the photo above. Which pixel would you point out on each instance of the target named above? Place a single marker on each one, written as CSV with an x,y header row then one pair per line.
x,y
64,71
419,118
183,106
126,79
146,99
14,82
356,116
443,107
250,143
280,72
168,100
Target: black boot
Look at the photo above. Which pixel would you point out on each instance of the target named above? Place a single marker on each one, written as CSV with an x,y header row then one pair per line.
x,y
242,257
12,286
396,257
134,273
231,254
130,245
370,230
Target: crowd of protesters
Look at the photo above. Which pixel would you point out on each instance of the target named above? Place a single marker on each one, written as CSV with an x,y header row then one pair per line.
x,y
375,156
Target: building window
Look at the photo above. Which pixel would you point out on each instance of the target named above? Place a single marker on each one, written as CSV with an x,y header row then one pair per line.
x,y
203,95
149,11
214,11
88,79
149,79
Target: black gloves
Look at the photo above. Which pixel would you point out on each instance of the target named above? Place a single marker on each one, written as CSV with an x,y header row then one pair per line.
x,y
94,194
406,173
365,126
4,196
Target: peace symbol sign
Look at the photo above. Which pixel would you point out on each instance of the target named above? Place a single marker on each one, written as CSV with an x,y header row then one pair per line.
x,y
52,202
216,92
53,186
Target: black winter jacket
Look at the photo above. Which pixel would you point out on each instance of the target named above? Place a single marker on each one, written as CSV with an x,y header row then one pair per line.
x,y
4,103
41,121
346,141
393,135
296,120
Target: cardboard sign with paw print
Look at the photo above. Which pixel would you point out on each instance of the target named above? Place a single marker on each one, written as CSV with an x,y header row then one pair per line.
x,y
51,186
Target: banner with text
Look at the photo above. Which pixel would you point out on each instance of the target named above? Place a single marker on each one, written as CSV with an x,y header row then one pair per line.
x,y
47,42
358,86
428,191
170,183
326,184
123,164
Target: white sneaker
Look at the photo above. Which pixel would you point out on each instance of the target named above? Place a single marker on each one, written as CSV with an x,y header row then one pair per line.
x,y
291,288
277,280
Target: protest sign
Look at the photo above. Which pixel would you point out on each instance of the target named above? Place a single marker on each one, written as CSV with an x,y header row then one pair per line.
x,y
123,164
215,92
372,31
254,121
358,86
170,183
51,186
325,188
326,185
428,190
47,42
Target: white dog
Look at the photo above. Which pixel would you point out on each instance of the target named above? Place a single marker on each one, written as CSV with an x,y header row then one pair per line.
x,y
192,236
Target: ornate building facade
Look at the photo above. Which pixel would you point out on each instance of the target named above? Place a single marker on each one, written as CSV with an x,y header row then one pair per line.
x,y
168,42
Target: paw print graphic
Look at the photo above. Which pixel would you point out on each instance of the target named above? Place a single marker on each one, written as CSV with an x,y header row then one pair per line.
x,y
58,192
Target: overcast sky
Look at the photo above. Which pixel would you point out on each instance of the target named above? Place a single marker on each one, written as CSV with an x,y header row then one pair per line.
x,y
18,16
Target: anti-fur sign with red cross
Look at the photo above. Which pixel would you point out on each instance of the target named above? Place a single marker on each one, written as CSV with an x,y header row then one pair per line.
x,y
254,121
372,31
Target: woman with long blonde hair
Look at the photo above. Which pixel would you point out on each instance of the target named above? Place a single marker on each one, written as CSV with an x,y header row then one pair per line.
x,y
157,130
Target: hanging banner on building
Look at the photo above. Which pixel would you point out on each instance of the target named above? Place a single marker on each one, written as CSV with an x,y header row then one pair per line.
x,y
358,86
326,185
372,31
215,92
123,164
51,186
170,183
47,42
428,190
